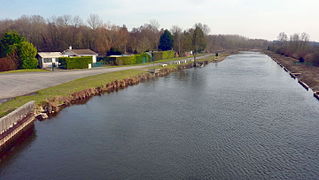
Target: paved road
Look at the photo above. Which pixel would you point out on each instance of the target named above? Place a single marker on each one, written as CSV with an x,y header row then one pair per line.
x,y
17,84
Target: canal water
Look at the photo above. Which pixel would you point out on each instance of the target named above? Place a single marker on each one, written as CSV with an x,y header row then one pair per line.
x,y
243,118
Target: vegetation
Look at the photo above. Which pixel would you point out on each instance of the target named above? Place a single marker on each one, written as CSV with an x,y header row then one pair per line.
x,y
8,63
67,89
198,40
9,43
131,60
297,46
162,55
17,52
57,33
71,87
75,62
166,41
27,53
24,70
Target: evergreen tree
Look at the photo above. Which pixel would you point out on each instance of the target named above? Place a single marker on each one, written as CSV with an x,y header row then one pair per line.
x,y
166,41
27,53
9,43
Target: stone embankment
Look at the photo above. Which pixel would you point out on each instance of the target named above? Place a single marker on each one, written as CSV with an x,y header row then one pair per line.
x,y
307,75
55,105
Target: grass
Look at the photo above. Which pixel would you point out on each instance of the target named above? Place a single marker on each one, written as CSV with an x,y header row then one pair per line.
x,y
77,85
67,89
24,70
158,61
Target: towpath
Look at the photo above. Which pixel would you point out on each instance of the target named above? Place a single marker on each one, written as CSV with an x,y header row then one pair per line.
x,y
18,84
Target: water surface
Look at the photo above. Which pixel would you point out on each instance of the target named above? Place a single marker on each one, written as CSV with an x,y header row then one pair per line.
x,y
243,118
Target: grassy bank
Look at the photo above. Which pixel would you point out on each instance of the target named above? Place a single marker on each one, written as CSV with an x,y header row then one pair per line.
x,y
159,61
24,70
309,74
67,89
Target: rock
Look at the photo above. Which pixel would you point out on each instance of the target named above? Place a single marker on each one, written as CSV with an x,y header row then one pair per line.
x,y
42,116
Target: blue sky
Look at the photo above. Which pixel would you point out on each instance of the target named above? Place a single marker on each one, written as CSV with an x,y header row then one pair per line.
x,y
251,18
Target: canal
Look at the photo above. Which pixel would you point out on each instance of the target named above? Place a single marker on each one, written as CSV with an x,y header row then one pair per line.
x,y
243,118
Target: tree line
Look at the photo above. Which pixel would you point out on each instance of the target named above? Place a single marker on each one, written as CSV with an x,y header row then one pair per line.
x,y
297,46
58,33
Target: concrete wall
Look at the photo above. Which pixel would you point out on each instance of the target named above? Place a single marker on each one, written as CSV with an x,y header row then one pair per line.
x,y
9,120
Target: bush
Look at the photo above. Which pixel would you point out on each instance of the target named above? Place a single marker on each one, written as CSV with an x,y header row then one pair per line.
x,y
9,42
314,58
133,59
27,53
163,55
143,58
168,54
7,64
125,60
75,62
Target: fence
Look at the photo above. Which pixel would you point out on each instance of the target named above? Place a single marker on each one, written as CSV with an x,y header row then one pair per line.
x,y
14,117
98,64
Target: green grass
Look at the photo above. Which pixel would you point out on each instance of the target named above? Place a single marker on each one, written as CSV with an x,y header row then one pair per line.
x,y
67,89
24,70
77,85
158,61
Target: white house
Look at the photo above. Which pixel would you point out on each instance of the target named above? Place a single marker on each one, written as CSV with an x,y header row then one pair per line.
x,y
46,59
80,52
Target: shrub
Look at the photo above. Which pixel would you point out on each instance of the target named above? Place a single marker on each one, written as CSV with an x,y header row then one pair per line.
x,y
133,59
9,42
143,58
27,53
168,54
75,62
125,60
7,64
314,59
163,55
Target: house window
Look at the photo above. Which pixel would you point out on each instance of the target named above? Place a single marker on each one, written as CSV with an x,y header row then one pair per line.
x,y
47,60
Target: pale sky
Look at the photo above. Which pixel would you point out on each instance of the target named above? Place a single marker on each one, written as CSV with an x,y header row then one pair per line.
x,y
251,18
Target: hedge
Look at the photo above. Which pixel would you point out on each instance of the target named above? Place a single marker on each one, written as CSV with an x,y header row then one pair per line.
x,y
133,59
142,58
163,55
75,62
7,64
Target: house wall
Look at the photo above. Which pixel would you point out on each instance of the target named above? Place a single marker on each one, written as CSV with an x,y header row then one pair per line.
x,y
48,65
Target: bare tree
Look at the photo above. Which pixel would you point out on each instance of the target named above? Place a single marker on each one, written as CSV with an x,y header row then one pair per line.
x,y
282,37
94,21
177,34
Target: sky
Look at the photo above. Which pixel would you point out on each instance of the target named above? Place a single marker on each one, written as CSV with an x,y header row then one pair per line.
x,y
262,19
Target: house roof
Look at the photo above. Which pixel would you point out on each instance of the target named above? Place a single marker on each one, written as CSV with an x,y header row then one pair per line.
x,y
50,54
80,51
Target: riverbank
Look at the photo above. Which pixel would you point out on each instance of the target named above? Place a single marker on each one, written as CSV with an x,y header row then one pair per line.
x,y
52,100
305,73
195,123
25,83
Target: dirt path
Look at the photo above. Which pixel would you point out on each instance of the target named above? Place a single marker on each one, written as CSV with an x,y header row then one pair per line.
x,y
18,84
